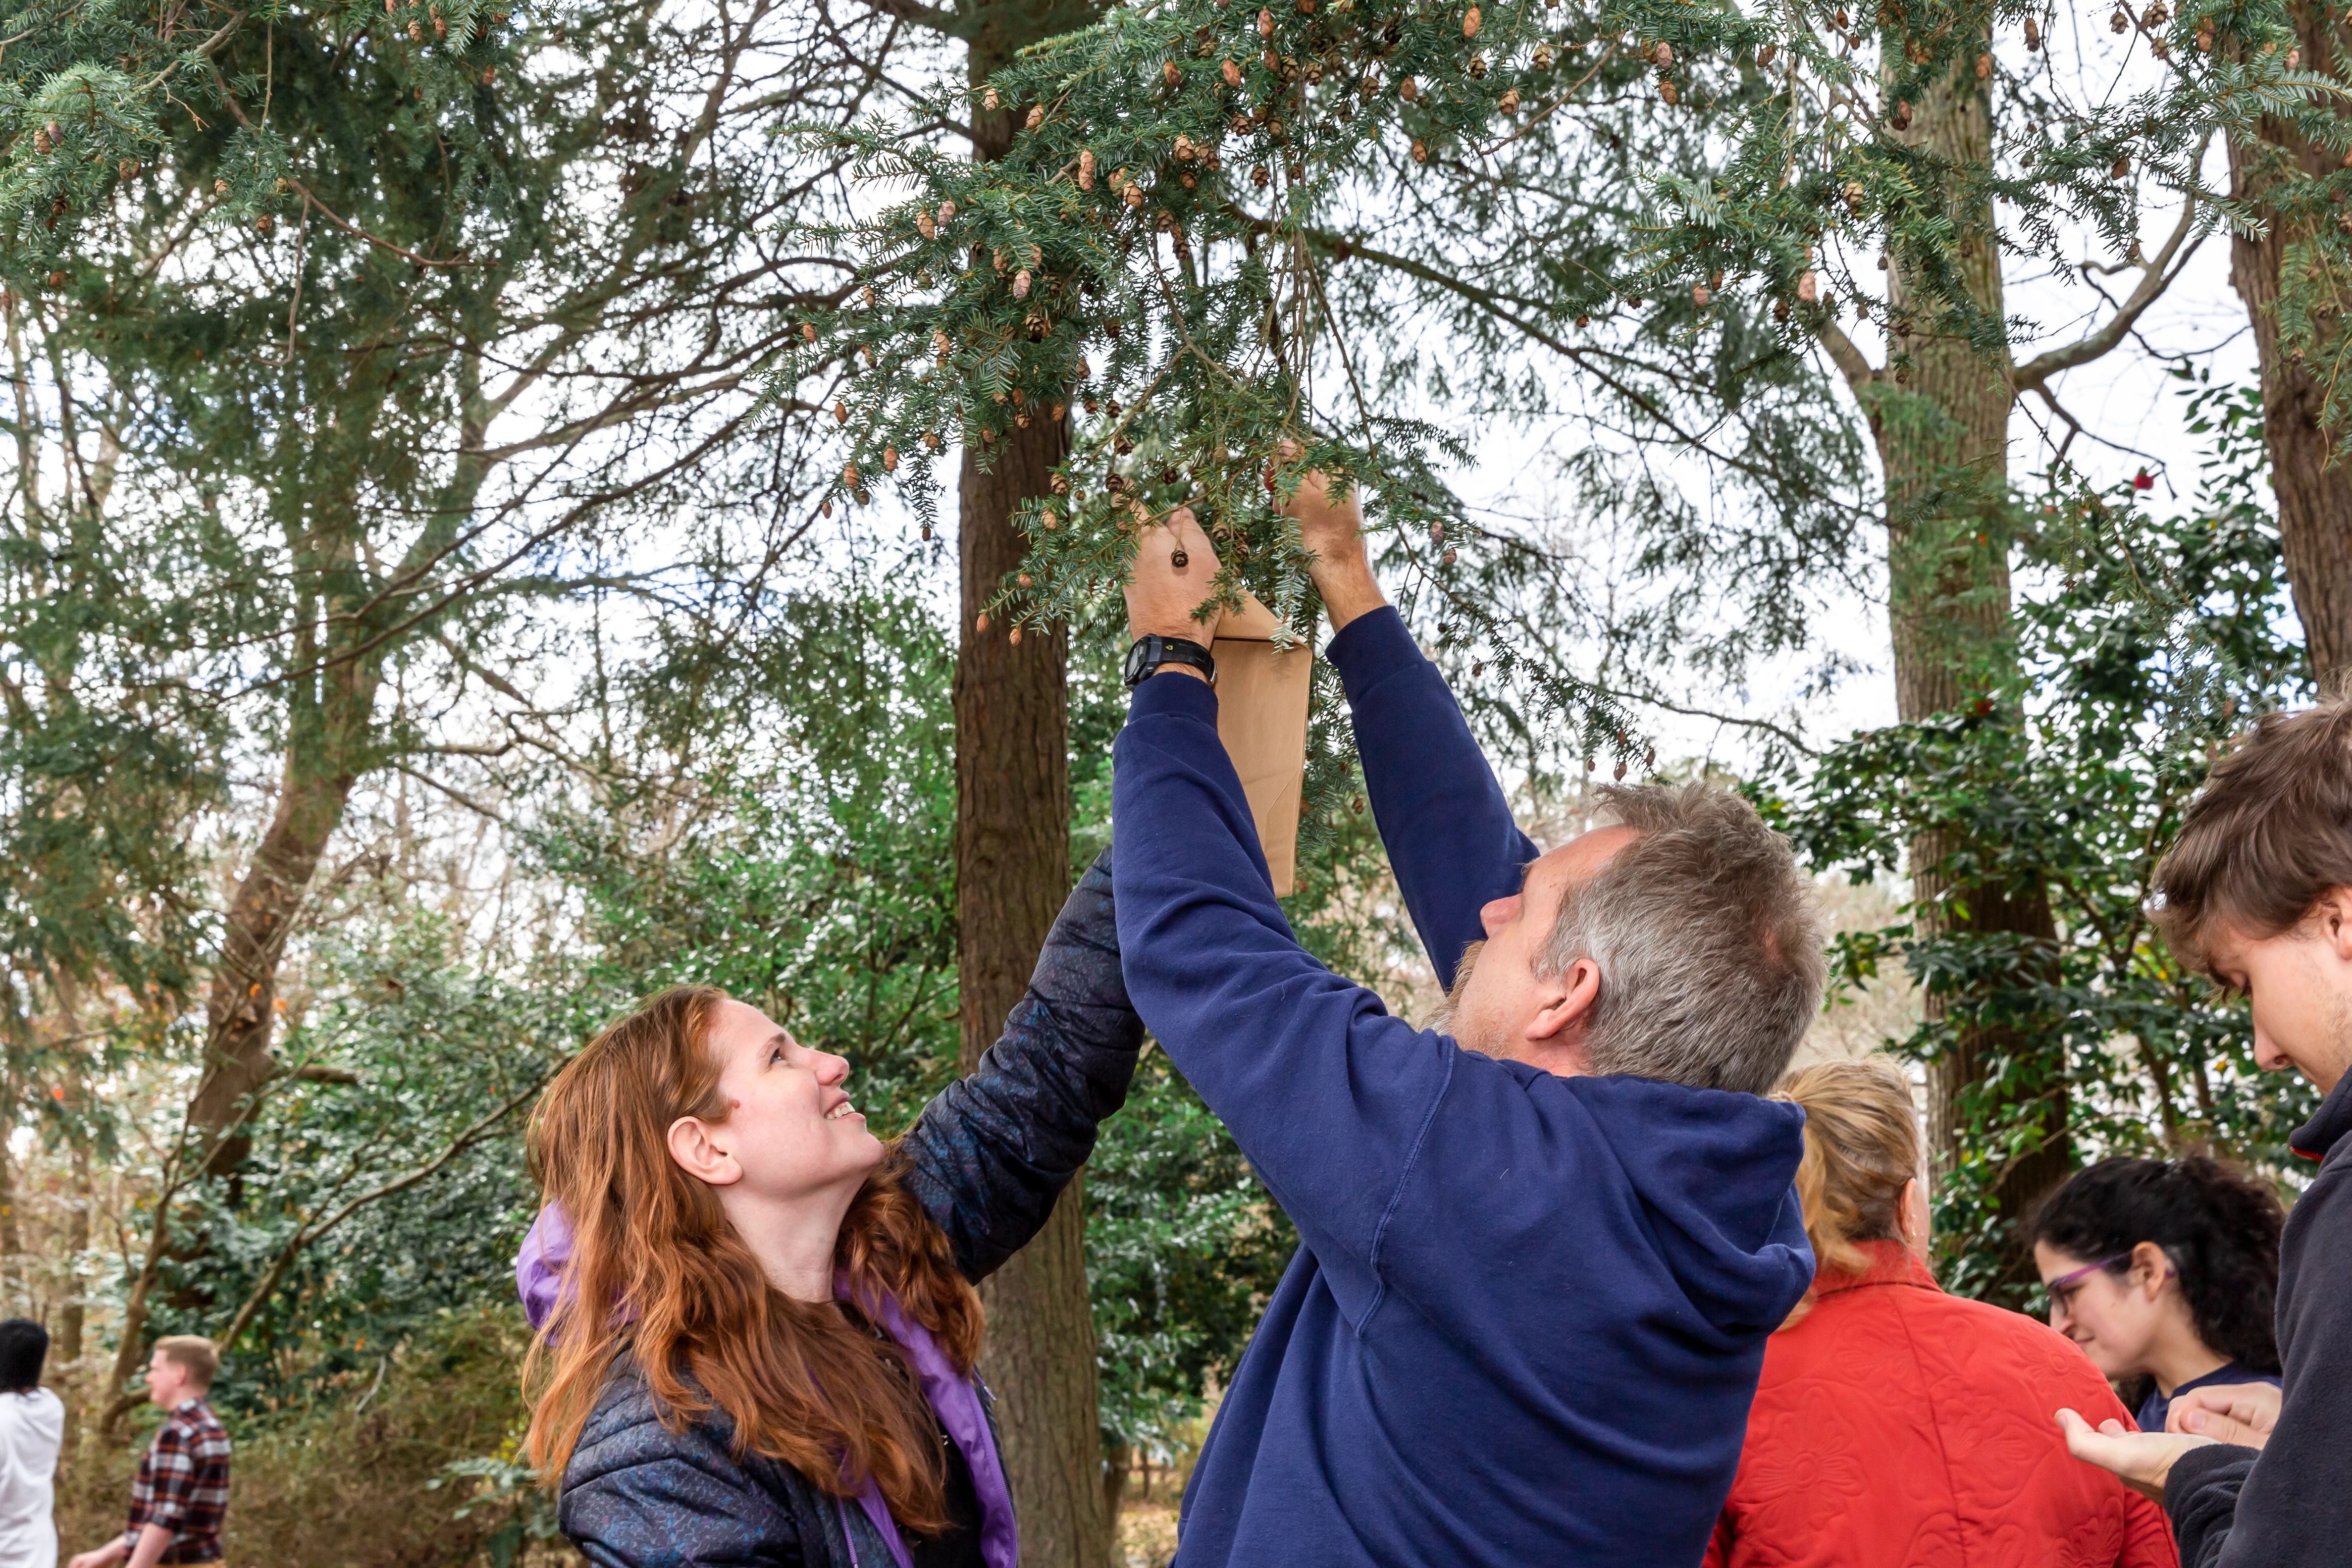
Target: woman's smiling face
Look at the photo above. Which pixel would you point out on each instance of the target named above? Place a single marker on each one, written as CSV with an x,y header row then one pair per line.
x,y
789,1124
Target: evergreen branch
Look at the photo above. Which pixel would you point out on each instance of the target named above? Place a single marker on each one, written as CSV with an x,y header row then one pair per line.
x,y
1493,305
478,807
2157,275
309,1234
1846,354
312,200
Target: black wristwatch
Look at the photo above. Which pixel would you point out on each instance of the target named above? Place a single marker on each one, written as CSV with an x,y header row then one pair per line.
x,y
1152,651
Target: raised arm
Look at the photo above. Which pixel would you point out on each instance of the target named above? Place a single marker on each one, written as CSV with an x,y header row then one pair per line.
x,y
988,1156
1327,1096
1441,814
1408,1164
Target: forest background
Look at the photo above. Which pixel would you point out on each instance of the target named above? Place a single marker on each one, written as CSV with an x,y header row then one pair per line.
x,y
473,554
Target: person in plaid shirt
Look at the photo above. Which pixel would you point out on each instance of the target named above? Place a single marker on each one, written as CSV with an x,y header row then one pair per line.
x,y
181,1497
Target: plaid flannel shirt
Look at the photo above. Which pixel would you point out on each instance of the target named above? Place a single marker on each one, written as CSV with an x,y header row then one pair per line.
x,y
183,1484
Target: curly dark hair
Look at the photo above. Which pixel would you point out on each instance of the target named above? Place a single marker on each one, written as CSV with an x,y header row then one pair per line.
x,y
2218,1225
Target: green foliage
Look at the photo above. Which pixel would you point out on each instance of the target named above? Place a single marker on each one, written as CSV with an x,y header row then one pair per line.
x,y
1117,264
1183,1248
386,1187
354,350
1224,227
2145,643
785,829
511,1492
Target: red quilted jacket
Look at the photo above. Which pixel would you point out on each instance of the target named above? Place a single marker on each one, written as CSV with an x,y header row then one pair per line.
x,y
1896,1427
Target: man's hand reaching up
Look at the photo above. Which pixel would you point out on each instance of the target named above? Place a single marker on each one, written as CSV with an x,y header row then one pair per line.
x,y
1332,527
1164,598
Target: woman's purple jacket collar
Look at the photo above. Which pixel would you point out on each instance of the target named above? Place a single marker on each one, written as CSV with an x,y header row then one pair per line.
x,y
954,1400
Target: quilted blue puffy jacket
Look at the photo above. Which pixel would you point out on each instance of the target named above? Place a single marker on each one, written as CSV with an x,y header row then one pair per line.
x,y
986,1159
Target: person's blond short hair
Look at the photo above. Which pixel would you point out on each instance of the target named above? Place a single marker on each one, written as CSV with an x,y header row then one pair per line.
x,y
194,1354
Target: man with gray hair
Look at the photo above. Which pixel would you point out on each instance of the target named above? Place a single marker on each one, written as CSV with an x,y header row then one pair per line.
x,y
1541,1247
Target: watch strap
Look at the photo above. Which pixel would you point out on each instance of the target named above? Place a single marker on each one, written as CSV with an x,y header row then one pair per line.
x,y
1152,651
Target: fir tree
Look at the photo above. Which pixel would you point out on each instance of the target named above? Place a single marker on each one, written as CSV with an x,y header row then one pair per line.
x,y
1216,211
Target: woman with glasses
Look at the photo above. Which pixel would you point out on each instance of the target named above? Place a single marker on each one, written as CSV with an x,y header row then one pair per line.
x,y
1896,1424
2165,1273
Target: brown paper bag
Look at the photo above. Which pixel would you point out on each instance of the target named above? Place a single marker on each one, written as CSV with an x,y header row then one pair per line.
x,y
1262,719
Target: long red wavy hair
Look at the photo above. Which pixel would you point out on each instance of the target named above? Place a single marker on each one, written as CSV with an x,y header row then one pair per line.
x,y
657,1273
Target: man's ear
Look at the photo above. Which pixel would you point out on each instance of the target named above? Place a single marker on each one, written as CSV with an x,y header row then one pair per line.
x,y
2334,915
1568,1005
692,1145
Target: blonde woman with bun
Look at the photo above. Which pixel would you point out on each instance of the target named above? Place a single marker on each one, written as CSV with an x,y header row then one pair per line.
x,y
1894,1423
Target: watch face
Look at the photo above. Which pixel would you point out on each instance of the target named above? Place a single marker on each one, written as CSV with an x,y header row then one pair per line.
x,y
1138,655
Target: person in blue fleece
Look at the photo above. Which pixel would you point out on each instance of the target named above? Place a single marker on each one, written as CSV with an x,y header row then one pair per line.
x,y
1542,1246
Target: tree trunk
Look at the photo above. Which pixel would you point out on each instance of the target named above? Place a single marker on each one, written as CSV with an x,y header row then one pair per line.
x,y
11,1233
1117,1464
241,1011
74,1313
1012,871
2314,495
65,1365
329,723
1943,440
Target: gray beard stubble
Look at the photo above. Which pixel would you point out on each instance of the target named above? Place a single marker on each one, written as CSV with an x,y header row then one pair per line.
x,y
1444,1021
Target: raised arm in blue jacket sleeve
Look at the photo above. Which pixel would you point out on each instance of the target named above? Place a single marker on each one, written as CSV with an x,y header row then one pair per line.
x,y
992,1152
1326,1094
1442,814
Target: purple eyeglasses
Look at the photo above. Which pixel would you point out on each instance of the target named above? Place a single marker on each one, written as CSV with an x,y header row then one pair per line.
x,y
2062,1289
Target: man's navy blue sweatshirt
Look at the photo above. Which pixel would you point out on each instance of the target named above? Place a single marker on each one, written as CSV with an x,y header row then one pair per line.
x,y
1525,1318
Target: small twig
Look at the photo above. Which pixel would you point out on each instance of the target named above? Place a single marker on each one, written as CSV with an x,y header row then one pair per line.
x,y
377,240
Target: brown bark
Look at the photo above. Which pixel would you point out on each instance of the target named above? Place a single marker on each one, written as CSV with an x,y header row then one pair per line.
x,y
1040,1363
241,1010
1118,1463
1012,870
11,1234
74,1313
2315,492
1943,441
336,666
65,1365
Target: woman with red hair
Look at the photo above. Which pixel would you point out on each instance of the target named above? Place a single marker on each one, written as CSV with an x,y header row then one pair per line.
x,y
1894,1423
757,1325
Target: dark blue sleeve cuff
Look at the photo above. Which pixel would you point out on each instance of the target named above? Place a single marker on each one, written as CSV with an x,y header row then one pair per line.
x,y
1175,695
1371,648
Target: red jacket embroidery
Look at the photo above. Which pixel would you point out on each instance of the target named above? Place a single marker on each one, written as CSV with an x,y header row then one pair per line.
x,y
1896,1424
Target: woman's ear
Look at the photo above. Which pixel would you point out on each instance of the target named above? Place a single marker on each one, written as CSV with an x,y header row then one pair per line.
x,y
2150,1268
693,1145
1912,1218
